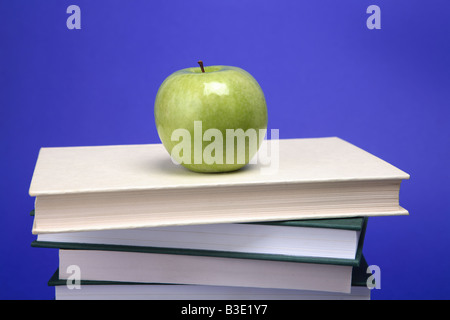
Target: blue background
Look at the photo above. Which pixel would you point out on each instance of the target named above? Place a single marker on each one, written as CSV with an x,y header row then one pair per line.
x,y
324,73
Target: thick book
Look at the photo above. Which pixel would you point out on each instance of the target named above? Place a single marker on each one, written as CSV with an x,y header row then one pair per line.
x,y
208,267
283,240
133,266
135,186
113,290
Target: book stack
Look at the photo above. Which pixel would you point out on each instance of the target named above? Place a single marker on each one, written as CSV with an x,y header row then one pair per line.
x,y
131,224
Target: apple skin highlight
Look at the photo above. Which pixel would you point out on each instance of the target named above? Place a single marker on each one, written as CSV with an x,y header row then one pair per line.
x,y
217,97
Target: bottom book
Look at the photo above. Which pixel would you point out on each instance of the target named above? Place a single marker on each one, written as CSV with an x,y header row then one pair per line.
x,y
113,290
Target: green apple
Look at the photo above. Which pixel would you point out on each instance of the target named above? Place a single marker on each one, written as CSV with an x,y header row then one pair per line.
x,y
211,119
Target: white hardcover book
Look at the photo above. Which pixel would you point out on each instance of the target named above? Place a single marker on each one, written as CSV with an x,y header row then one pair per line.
x,y
137,186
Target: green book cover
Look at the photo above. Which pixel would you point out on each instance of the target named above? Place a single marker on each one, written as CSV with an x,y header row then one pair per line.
x,y
358,223
338,223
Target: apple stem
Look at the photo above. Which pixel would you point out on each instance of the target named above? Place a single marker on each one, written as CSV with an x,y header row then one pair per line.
x,y
201,65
